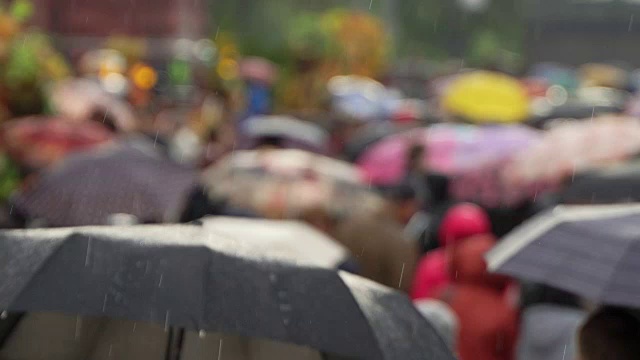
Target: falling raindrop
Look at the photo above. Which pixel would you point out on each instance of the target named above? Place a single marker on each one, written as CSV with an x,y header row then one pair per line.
x,y
202,334
4,314
166,322
220,350
78,326
87,257
401,274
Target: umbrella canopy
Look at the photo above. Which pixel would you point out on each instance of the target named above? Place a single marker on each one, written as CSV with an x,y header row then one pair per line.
x,y
291,238
573,109
591,251
451,149
293,132
487,97
130,176
574,146
38,142
358,98
192,277
613,184
368,136
288,183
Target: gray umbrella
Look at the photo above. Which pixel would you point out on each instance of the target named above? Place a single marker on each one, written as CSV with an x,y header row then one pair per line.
x,y
592,251
191,277
129,177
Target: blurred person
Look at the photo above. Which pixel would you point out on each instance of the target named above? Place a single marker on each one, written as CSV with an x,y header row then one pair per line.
x,y
380,249
199,205
417,175
549,326
488,320
404,207
269,143
610,333
404,203
442,317
459,223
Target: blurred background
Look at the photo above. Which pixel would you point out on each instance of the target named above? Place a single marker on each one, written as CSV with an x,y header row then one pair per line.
x,y
412,141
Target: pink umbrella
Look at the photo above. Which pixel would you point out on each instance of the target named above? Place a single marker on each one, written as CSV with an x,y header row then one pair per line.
x,y
575,146
452,149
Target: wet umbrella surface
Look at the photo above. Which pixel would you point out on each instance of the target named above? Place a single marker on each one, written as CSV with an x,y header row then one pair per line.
x,y
129,177
588,250
199,278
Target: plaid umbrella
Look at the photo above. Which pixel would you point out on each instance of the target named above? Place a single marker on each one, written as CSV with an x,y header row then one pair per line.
x,y
591,251
38,142
128,177
213,279
289,182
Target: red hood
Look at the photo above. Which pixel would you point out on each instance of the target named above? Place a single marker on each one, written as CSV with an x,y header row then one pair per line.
x,y
468,266
463,221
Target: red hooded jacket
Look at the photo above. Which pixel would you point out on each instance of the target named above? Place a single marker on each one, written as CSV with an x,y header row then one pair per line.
x,y
488,322
460,222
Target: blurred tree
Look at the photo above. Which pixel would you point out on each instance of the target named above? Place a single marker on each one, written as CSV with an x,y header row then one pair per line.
x,y
433,28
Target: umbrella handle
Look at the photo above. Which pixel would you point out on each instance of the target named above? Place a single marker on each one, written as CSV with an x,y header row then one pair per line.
x,y
175,340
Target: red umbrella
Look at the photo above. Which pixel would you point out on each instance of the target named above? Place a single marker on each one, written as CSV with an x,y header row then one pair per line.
x,y
38,142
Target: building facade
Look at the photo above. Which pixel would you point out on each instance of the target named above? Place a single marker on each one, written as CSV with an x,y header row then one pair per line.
x,y
79,25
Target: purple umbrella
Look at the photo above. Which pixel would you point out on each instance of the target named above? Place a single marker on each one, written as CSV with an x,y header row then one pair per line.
x,y
452,149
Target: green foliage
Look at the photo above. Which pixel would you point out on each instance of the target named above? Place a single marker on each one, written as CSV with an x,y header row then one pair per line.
x,y
9,177
21,10
22,66
437,29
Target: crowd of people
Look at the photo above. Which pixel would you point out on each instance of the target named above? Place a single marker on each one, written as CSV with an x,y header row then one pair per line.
x,y
414,187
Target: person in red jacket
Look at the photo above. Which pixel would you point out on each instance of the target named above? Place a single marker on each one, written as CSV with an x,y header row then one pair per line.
x,y
488,321
460,222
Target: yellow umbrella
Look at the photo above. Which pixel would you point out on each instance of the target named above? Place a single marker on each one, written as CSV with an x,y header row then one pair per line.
x,y
484,97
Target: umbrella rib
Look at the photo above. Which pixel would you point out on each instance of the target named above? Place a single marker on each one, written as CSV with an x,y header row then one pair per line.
x,y
617,266
527,233
520,238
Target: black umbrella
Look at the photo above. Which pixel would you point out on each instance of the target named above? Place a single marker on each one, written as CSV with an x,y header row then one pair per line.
x,y
591,251
367,137
131,177
614,184
574,110
205,278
